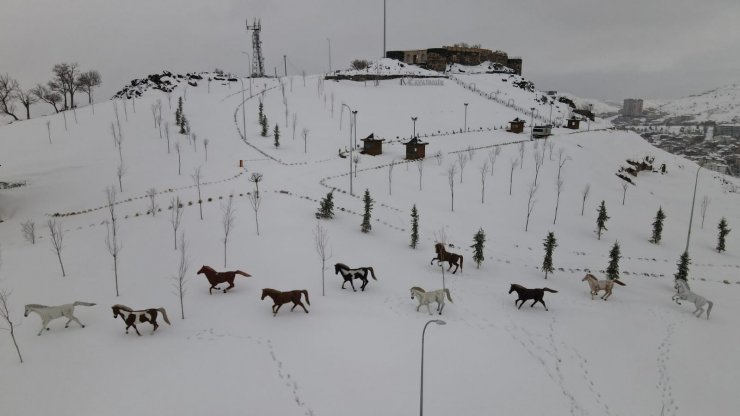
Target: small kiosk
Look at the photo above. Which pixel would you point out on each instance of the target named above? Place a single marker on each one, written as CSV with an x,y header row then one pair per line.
x,y
516,126
415,149
573,123
372,146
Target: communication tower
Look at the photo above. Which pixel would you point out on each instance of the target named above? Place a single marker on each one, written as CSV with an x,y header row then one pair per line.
x,y
258,63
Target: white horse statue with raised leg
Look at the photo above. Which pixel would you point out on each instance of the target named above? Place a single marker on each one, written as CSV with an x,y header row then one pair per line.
x,y
684,293
49,313
425,298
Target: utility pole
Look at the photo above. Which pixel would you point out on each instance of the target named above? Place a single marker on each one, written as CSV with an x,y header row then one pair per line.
x,y
384,51
285,64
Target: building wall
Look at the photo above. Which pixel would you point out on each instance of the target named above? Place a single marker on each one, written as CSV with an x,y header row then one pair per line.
x,y
437,58
632,107
727,130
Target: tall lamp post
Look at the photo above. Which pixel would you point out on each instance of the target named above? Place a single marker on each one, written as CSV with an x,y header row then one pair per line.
x,y
250,72
351,125
465,126
531,125
421,389
414,120
244,117
691,217
551,103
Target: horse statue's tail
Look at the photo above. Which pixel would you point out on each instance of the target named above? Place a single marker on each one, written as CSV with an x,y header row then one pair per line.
x,y
619,282
78,303
305,292
242,273
709,309
372,272
447,291
547,289
164,315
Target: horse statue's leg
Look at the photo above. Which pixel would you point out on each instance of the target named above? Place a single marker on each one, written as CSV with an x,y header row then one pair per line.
x,y
231,285
429,309
275,310
364,283
44,324
543,304
441,306
299,303
73,318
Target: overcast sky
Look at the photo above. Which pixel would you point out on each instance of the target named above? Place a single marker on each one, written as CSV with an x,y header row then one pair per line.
x,y
610,49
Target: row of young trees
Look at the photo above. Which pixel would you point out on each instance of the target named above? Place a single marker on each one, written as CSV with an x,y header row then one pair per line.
x,y
59,92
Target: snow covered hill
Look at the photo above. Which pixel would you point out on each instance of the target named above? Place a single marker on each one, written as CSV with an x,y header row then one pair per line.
x,y
721,105
359,352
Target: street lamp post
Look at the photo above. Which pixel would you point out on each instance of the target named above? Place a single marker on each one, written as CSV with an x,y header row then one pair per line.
x,y
244,117
465,126
691,217
351,125
531,125
421,389
250,72
551,112
414,120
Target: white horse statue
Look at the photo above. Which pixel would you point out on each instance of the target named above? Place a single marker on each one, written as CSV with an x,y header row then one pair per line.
x,y
425,298
597,285
684,293
49,313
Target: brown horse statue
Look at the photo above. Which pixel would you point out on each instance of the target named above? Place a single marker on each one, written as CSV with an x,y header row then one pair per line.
x,y
279,298
215,278
451,258
131,317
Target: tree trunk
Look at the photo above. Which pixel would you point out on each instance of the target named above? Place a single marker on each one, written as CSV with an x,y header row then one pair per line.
x,y
12,335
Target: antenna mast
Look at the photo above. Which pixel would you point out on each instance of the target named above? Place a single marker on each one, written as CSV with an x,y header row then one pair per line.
x,y
258,63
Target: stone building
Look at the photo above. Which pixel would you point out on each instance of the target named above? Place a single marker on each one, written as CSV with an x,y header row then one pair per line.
x,y
632,107
437,59
732,130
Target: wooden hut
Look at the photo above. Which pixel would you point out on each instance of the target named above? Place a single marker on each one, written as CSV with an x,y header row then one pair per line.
x,y
372,146
516,126
573,123
415,149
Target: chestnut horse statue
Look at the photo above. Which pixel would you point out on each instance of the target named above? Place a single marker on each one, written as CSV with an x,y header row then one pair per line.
x,y
451,258
131,317
279,298
215,278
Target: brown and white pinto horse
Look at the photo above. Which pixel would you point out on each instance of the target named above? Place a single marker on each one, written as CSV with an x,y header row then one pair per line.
x,y
279,298
215,278
357,273
131,317
451,258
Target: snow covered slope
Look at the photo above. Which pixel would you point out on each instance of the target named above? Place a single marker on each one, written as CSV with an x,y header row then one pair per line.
x,y
358,353
721,105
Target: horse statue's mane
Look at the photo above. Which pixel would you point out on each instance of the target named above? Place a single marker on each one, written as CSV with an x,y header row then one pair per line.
x,y
122,307
417,288
208,268
342,265
36,305
518,286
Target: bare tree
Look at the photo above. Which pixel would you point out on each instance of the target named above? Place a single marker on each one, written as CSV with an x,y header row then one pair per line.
x,y
584,195
175,216
43,93
305,140
197,179
28,229
205,147
492,156
530,203
255,201
471,152
120,171
559,184
522,151
462,160
625,184
256,178
151,193
390,175
5,315
179,279
539,160
420,167
439,157
27,98
228,222
321,242
87,81
451,171
112,242
57,240
704,204
48,129
179,159
169,98
511,173
167,135
8,90
483,174
550,146
295,118
65,75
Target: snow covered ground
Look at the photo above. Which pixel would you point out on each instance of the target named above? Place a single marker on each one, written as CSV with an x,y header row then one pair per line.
x,y
359,353
720,104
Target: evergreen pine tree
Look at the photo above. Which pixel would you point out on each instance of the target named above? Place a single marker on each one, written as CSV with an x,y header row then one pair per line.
x,y
683,267
261,113
601,219
414,227
612,270
263,123
658,226
723,231
326,208
366,226
183,124
549,243
479,240
276,134
178,112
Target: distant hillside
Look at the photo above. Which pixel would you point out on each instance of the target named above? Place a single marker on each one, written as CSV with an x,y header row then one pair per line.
x,y
721,105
